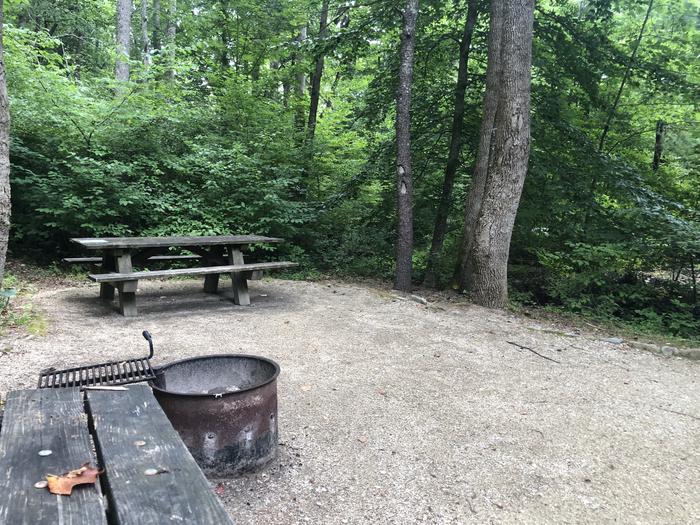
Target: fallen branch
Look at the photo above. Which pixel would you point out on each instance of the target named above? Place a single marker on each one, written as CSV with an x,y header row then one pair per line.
x,y
533,351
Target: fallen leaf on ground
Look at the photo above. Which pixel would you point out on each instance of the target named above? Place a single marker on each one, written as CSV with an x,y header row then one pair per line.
x,y
64,483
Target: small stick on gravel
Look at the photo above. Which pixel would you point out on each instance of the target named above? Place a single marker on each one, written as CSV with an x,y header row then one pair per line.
x,y
533,351
679,413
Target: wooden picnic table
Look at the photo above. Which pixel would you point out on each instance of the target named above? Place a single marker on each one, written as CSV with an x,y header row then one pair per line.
x,y
149,475
217,254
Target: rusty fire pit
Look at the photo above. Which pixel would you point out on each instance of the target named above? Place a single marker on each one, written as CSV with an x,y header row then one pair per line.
x,y
225,409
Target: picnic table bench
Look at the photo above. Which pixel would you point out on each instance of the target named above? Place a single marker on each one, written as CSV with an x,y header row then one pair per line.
x,y
218,254
127,434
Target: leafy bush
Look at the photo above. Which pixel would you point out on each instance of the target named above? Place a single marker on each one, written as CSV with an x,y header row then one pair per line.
x,y
605,282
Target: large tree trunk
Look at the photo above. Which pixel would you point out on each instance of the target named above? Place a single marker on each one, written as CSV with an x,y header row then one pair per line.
x,y
123,39
478,182
445,204
404,180
5,203
317,74
145,40
170,37
487,269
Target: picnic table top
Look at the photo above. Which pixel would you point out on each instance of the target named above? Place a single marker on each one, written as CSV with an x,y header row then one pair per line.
x,y
149,475
108,243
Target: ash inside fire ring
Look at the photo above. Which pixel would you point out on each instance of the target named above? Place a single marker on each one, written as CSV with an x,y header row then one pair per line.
x,y
215,375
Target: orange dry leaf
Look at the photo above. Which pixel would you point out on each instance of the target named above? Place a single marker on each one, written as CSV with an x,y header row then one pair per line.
x,y
64,483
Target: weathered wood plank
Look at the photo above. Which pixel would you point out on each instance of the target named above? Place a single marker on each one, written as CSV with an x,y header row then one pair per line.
x,y
124,266
127,289
116,277
80,260
123,421
213,257
148,242
46,419
238,279
106,289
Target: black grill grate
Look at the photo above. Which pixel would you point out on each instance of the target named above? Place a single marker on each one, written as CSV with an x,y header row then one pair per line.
x,y
114,373
103,374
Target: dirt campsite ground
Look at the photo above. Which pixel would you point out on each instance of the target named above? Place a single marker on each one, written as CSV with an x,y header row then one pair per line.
x,y
393,411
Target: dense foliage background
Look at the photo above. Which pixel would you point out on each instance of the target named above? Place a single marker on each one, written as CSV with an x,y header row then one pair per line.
x,y
209,138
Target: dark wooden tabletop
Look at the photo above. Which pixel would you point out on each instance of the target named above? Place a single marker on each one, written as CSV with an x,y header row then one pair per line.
x,y
52,421
109,243
149,476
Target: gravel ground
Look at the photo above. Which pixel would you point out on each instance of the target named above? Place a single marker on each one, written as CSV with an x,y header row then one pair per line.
x,y
392,411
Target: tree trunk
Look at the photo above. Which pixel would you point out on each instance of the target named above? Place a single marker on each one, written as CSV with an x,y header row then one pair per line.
x,y
445,204
170,37
224,36
317,74
404,182
5,203
300,87
156,24
659,144
286,89
694,277
145,40
478,182
507,166
123,39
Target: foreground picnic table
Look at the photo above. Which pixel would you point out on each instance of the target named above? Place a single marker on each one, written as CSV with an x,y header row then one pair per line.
x,y
217,254
133,438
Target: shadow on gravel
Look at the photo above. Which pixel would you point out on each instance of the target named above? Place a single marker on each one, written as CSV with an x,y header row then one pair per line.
x,y
185,300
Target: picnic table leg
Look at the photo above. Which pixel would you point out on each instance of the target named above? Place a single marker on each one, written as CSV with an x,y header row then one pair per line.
x,y
127,289
211,281
240,283
107,289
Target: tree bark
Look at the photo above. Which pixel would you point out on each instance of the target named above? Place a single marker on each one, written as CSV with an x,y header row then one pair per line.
x,y
300,87
455,147
404,181
5,202
145,40
694,283
224,36
317,74
156,24
658,144
487,267
478,182
170,37
123,39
